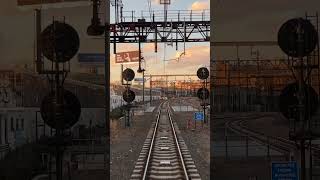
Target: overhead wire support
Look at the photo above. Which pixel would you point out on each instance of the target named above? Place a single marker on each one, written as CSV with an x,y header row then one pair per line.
x,y
196,29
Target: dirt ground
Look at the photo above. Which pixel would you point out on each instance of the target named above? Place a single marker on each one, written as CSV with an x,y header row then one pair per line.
x,y
254,167
272,124
245,169
198,140
126,144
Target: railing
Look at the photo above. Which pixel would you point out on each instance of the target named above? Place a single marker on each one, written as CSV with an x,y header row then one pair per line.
x,y
169,15
92,146
280,144
4,149
86,141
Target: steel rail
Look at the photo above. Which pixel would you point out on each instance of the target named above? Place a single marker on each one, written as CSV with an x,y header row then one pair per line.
x,y
236,126
152,143
276,139
178,146
276,142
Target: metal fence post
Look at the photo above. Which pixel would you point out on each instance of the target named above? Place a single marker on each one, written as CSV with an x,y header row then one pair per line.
x,y
268,141
247,146
226,142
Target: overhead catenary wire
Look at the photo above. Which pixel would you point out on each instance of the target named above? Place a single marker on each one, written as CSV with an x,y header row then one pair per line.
x,y
150,9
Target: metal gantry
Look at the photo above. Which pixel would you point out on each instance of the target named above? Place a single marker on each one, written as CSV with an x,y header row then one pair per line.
x,y
183,26
171,27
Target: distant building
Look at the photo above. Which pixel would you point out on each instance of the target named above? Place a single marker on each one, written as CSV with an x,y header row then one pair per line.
x,y
251,85
21,94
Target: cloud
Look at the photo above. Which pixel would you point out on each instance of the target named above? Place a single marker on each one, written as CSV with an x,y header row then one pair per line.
x,y
195,57
200,5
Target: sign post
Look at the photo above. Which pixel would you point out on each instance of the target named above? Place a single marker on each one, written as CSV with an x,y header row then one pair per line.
x,y
284,170
127,57
198,116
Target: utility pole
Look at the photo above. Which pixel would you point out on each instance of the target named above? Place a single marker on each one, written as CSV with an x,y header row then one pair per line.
x,y
143,84
107,86
301,105
150,89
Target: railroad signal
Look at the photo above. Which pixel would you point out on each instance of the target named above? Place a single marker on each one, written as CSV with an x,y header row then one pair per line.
x,y
289,101
60,116
128,96
203,73
297,37
59,42
95,28
128,74
60,109
203,93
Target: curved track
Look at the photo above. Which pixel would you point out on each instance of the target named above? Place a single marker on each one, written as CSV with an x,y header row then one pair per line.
x,y
280,144
165,154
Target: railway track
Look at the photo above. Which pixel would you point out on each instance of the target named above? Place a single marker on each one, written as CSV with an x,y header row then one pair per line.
x,y
281,145
164,154
277,143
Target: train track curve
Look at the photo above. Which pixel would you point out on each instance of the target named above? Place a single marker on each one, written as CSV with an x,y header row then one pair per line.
x,y
280,144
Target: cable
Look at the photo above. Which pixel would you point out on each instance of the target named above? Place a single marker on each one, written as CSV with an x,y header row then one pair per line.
x,y
150,9
164,57
184,39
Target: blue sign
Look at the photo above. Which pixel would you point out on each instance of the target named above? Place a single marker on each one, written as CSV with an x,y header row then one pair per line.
x,y
91,57
284,171
198,116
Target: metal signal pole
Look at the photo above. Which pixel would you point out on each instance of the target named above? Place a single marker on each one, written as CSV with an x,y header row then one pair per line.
x,y
301,114
107,86
204,102
143,84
